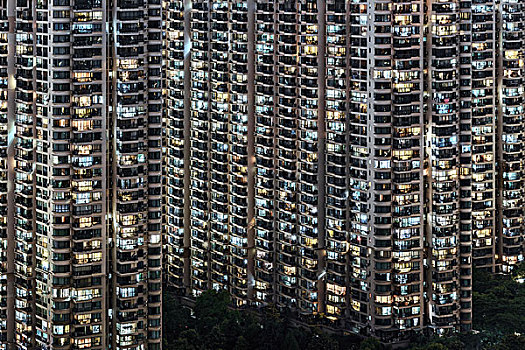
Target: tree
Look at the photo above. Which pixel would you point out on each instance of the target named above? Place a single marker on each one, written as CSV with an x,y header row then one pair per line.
x,y
320,340
176,318
211,309
498,304
272,329
511,342
371,344
187,340
290,343
436,346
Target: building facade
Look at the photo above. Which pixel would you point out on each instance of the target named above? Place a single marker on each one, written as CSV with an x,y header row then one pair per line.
x,y
510,125
80,174
356,159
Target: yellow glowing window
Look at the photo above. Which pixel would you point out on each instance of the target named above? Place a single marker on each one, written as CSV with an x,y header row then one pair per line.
x,y
82,125
403,20
289,270
310,50
83,77
511,54
84,149
128,63
85,222
311,28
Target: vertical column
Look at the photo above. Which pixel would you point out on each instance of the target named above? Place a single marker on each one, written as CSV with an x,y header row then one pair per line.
x,y
251,147
483,105
153,104
7,113
309,123
4,169
199,181
85,236
136,173
188,42
407,164
286,121
359,222
446,176
54,212
383,157
511,70
337,150
175,143
219,151
465,164
322,55
239,143
24,165
265,81
4,174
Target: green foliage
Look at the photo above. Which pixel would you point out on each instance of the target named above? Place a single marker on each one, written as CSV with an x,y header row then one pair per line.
x,y
290,342
370,344
455,342
498,315
319,340
216,326
498,304
178,324
511,342
436,346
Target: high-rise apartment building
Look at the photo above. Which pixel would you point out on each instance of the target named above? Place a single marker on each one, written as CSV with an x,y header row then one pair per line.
x,y
356,159
80,174
510,125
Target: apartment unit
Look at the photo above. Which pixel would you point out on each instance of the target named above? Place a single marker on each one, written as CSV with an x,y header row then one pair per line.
x,y
355,159
80,174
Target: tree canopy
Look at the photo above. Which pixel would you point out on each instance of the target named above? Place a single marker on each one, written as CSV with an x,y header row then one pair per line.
x,y
214,325
498,318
